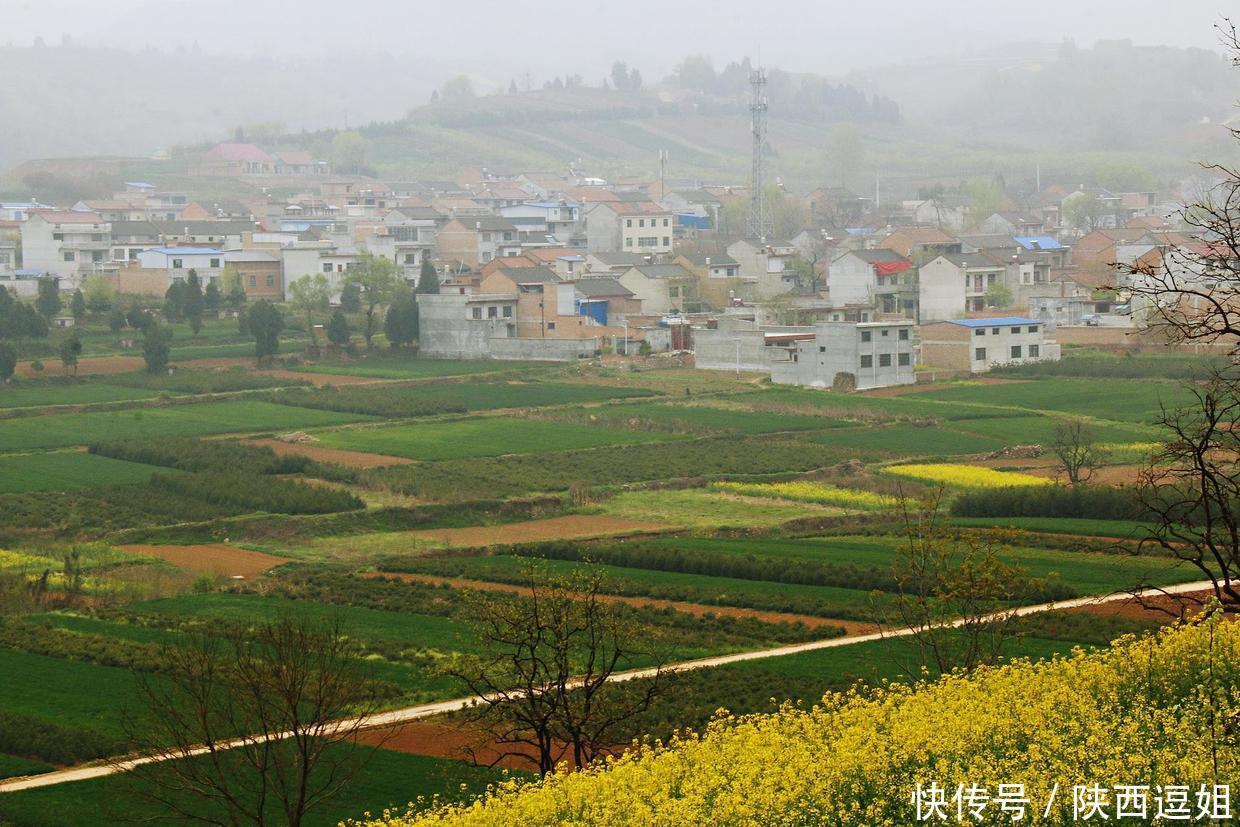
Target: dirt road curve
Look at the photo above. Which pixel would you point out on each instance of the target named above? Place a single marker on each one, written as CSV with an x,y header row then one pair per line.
x,y
414,713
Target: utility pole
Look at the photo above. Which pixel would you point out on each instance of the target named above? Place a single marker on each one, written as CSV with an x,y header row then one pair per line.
x,y
662,173
760,225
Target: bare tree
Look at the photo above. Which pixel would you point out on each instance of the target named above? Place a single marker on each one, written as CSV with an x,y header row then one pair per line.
x,y
1192,487
954,592
1191,293
545,679
1077,449
251,725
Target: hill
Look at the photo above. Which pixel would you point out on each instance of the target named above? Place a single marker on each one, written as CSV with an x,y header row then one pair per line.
x,y
857,759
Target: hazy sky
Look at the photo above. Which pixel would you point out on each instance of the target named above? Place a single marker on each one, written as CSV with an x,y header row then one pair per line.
x,y
585,36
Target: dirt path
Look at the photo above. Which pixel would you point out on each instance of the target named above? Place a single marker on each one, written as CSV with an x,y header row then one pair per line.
x,y
851,627
570,527
339,456
211,558
416,713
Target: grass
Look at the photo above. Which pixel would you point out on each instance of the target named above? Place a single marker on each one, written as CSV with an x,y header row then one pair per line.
x,y
32,395
1040,430
704,419
481,437
1058,525
11,766
67,470
912,441
67,693
233,416
411,368
697,508
1117,399
386,779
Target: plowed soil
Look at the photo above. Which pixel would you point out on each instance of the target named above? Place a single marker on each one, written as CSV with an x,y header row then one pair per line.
x,y
353,459
87,365
441,740
212,558
851,627
573,526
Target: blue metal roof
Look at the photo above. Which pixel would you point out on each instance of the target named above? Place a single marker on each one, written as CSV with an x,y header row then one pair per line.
x,y
29,273
1039,242
185,251
860,230
1001,321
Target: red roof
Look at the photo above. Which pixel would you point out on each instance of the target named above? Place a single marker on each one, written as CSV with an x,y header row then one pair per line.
x,y
890,268
238,152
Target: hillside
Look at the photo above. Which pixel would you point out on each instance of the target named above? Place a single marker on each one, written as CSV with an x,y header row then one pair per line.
x,y
857,759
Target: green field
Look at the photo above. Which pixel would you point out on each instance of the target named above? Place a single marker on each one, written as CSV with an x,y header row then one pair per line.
x,y
67,470
420,368
696,508
481,438
31,395
1119,399
1040,430
913,441
1120,529
11,766
703,419
386,779
234,416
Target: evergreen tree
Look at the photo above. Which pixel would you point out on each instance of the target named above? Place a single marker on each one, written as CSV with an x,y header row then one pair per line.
x,y
192,301
211,298
48,301
338,329
351,298
401,323
428,278
8,362
157,347
70,350
77,305
174,301
266,322
6,302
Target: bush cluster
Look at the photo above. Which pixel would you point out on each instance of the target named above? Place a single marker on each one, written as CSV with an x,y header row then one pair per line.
x,y
1096,502
189,454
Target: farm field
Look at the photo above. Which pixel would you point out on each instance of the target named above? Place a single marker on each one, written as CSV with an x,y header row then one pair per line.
x,y
721,515
483,437
202,419
67,470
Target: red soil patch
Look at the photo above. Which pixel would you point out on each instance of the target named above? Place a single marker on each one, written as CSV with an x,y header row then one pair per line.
x,y
212,558
850,627
353,459
441,740
1160,609
1107,475
573,526
88,365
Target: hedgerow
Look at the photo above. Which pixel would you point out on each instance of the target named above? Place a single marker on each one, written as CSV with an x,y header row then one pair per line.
x,y
1098,502
189,454
241,490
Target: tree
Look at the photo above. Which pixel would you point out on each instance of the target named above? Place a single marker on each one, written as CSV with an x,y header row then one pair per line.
x,y
376,277
543,678
157,347
458,88
274,707
174,301
999,295
1077,449
428,278
351,298
116,320
77,306
310,296
846,150
47,302
349,152
986,197
8,362
635,80
231,287
620,76
70,350
6,302
400,325
265,322
338,329
954,592
23,322
211,298
1083,212
192,301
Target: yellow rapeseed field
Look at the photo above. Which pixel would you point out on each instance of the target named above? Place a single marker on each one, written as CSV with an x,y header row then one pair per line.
x,y
967,476
809,492
1152,711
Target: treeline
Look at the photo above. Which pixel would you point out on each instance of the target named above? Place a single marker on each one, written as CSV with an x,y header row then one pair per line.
x,y
387,403
246,492
1123,367
189,454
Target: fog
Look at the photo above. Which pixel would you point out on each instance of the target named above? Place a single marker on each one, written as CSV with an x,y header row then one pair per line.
x,y
500,39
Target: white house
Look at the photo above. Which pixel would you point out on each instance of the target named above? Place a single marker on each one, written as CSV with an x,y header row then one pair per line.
x,y
67,245
870,277
977,345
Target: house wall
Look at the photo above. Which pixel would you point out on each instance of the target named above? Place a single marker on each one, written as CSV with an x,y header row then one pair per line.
x,y
447,331
554,350
637,231
724,349
602,229
850,280
839,347
261,279
652,293
143,281
940,291
946,345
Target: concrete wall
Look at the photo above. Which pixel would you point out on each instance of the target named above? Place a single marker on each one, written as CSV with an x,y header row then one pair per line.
x,y
941,287
447,332
556,350
719,349
837,347
603,230
850,281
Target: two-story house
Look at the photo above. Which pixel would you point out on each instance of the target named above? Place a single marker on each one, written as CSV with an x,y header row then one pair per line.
x,y
663,288
767,268
882,279
850,355
952,284
471,241
977,345
629,226
68,245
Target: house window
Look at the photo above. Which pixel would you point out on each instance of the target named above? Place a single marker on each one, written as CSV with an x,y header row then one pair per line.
x,y
477,312
628,242
979,354
641,222
628,222
667,242
492,312
58,236
648,241
867,361
904,334
96,255
271,280
551,325
902,360
886,332
486,257
1016,351
673,292
884,360
822,349
994,331
215,262
1034,351
411,258
979,332
1016,330
176,264
327,268
1033,328
507,311
865,335
665,222
69,255
253,281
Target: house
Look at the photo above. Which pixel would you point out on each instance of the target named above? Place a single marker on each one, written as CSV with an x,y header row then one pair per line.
x,y
919,243
67,245
605,299
413,232
769,269
20,210
261,273
977,345
879,278
1097,249
615,262
462,323
693,202
1012,224
559,219
471,241
547,307
8,257
947,212
738,344
235,160
952,284
114,209
629,226
850,355
297,162
663,288
718,276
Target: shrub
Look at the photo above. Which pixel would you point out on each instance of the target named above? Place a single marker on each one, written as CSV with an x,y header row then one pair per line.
x,y
189,454
1096,502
